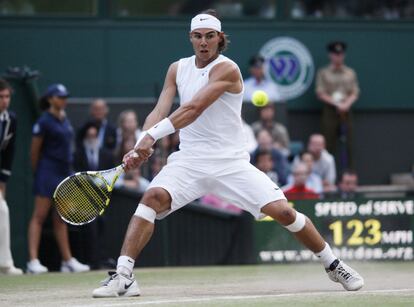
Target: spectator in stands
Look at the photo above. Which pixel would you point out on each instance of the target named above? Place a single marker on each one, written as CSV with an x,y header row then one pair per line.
x,y
229,8
324,163
264,162
313,181
337,87
51,154
348,185
128,132
265,142
298,189
90,156
107,132
7,141
257,81
128,125
277,130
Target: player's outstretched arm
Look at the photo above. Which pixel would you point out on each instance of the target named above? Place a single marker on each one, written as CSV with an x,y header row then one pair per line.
x,y
166,99
140,154
224,77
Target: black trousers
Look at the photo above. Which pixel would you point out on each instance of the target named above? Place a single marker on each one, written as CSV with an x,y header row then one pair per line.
x,y
338,132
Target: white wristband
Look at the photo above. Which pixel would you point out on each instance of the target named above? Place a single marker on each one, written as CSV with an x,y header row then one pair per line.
x,y
163,128
141,136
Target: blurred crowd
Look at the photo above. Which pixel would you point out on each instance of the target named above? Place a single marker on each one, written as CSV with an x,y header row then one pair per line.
x,y
295,9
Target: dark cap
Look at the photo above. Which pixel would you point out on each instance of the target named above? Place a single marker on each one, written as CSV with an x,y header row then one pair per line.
x,y
57,89
256,60
336,47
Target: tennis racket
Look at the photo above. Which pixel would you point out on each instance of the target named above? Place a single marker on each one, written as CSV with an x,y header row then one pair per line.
x,y
82,197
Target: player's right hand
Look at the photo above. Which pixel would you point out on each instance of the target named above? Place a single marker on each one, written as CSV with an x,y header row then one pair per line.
x,y
131,160
144,147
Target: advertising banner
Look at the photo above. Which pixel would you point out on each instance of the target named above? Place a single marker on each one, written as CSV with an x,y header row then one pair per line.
x,y
358,229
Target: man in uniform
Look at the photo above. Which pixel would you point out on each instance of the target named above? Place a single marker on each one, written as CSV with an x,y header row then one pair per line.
x,y
337,87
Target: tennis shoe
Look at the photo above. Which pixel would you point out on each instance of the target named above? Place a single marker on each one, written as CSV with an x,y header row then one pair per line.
x,y
345,275
35,267
117,285
11,270
73,266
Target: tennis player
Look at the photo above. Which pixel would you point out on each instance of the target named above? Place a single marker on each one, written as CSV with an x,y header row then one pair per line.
x,y
212,158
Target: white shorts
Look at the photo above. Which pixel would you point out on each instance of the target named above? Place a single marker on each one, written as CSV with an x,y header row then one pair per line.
x,y
236,181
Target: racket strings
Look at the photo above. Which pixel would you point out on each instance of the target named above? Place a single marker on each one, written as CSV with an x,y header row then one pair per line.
x,y
81,198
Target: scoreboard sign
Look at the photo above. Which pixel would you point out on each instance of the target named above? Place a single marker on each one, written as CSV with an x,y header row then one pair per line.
x,y
359,229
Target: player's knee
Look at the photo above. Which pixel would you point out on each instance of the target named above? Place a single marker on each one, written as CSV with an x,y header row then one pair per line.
x,y
297,223
145,212
281,212
287,215
155,200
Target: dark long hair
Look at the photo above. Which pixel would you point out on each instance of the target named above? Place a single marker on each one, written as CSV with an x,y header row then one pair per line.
x,y
224,43
44,103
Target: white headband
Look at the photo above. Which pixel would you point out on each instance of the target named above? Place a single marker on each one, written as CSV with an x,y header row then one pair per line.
x,y
205,21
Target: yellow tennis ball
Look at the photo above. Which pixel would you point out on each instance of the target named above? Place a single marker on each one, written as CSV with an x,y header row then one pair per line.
x,y
260,98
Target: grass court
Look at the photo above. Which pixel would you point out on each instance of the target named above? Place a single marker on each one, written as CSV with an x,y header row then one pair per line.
x,y
386,284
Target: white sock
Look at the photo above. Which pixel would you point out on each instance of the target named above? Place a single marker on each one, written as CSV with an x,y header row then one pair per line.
x,y
125,265
326,256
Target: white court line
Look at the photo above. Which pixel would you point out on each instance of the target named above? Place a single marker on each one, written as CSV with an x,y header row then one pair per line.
x,y
100,302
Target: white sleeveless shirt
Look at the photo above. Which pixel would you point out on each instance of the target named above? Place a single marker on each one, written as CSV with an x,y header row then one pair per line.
x,y
218,132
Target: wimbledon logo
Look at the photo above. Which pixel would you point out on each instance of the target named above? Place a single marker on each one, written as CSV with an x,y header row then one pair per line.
x,y
289,64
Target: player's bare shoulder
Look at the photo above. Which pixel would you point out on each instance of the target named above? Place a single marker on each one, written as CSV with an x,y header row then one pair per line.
x,y
172,71
227,71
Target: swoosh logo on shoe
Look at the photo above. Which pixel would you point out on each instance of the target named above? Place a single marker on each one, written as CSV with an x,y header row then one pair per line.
x,y
127,286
